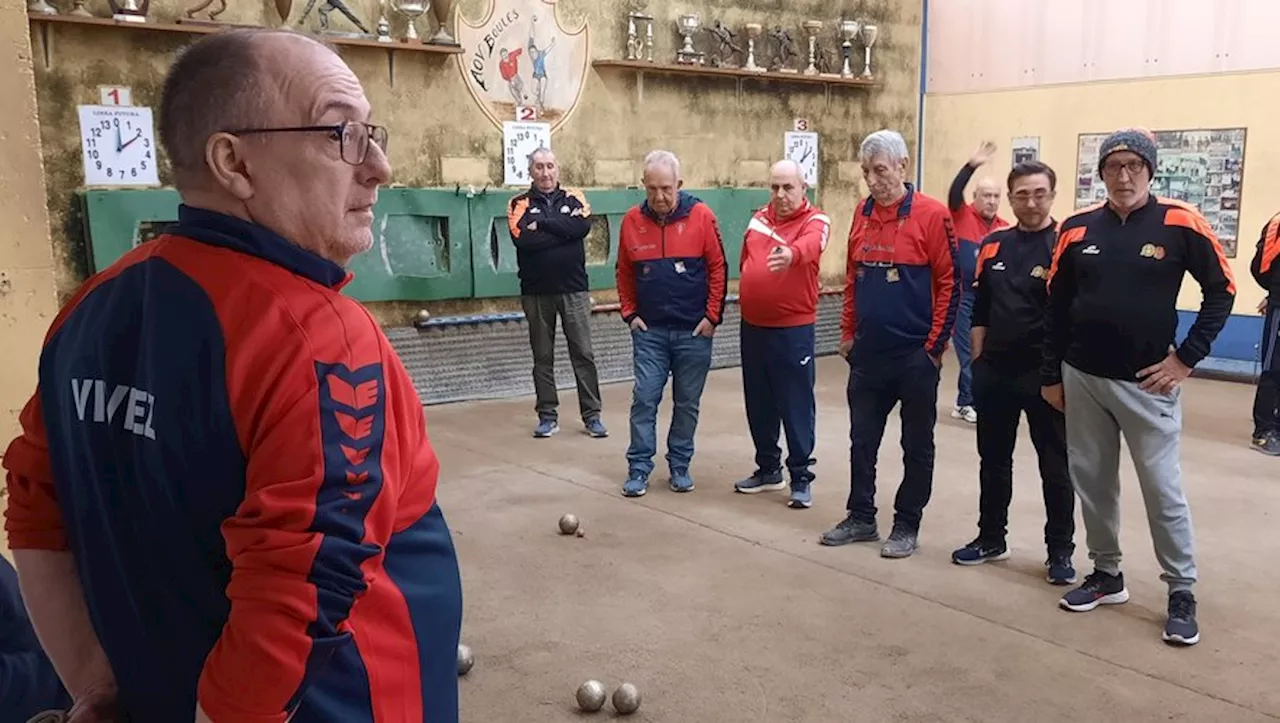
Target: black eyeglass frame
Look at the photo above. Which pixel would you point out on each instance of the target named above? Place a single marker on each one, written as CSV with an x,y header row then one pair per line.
x,y
371,135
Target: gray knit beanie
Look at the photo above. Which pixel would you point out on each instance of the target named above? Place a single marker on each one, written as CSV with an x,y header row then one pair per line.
x,y
1133,140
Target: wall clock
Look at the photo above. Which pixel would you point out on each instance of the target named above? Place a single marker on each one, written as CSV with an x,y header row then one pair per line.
x,y
119,146
802,147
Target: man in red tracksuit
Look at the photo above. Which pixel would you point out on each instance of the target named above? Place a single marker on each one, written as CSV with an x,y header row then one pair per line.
x,y
778,297
223,501
900,302
671,284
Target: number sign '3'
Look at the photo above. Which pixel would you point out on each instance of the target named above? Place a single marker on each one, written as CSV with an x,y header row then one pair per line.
x,y
119,146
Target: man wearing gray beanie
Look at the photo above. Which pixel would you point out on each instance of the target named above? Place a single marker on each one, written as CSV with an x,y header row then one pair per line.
x,y
1112,366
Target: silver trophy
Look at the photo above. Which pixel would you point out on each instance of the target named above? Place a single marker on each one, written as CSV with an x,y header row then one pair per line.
x,y
812,28
40,7
441,10
753,31
636,45
688,25
869,34
384,27
129,11
849,30
412,10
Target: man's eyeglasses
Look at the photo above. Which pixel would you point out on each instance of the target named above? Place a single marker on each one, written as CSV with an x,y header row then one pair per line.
x,y
1025,196
1112,170
352,137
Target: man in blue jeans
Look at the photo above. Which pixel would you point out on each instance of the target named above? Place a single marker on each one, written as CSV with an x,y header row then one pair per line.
x,y
671,286
973,221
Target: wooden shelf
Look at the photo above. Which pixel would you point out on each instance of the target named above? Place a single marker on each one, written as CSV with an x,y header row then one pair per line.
x,y
201,27
644,66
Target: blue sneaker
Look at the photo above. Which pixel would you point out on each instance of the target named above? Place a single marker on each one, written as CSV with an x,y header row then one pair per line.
x,y
681,481
978,552
801,499
1099,588
635,487
1061,571
760,482
1181,629
596,429
546,428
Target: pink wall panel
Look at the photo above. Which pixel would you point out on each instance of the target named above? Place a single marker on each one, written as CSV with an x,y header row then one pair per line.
x,y
981,45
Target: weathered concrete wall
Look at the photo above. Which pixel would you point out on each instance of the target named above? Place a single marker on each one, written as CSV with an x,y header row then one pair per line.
x,y
440,137
27,300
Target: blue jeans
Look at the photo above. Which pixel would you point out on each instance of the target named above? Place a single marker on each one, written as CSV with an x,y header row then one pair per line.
x,y
657,354
964,350
777,383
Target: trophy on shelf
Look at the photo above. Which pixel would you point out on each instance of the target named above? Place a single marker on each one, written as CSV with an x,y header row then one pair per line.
x,y
79,11
869,34
189,15
412,10
753,31
849,30
40,7
725,47
441,9
384,26
688,25
328,6
786,50
812,28
129,11
636,45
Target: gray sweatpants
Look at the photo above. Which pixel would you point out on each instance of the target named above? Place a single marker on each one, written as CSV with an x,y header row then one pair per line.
x,y
574,310
1098,410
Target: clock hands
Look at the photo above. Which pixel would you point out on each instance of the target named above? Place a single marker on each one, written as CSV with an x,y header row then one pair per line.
x,y
131,140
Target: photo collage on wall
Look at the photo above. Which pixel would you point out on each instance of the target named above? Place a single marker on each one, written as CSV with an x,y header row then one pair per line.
x,y
1201,167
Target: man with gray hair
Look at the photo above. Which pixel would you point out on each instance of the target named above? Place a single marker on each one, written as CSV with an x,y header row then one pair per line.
x,y
223,501
899,305
549,226
671,285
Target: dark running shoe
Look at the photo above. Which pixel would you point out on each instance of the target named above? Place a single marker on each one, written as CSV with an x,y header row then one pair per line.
x,y
978,552
1267,443
850,530
1099,588
1181,629
1061,571
761,482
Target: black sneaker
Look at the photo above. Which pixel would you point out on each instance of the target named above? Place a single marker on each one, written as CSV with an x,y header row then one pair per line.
x,y
1061,571
1267,443
850,530
978,552
1181,629
1099,588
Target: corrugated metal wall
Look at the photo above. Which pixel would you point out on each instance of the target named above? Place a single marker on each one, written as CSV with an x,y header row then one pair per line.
x,y
488,357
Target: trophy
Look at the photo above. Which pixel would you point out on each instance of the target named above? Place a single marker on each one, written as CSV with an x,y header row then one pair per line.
x,y
812,27
725,47
384,27
869,33
79,10
442,9
849,30
41,7
129,11
688,25
412,10
753,31
189,15
636,44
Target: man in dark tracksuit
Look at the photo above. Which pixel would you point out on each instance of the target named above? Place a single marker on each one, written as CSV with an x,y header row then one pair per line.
x,y
28,682
1111,364
1266,402
899,304
549,226
1008,342
973,221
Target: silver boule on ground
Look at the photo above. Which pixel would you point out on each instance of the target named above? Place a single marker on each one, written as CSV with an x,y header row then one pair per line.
x,y
465,659
591,696
626,699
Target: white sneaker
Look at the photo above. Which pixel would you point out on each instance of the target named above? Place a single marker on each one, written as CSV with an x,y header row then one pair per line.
x,y
968,414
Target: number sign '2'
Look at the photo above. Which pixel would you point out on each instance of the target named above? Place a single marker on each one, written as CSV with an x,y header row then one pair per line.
x,y
119,146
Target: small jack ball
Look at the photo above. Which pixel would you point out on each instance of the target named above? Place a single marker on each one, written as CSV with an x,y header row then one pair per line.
x,y
465,659
581,532
568,524
591,696
424,316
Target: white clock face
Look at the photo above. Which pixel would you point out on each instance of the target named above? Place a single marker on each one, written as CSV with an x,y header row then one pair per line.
x,y
118,144
518,141
802,147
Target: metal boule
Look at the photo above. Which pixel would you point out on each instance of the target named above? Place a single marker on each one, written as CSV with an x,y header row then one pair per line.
x,y
568,524
423,316
591,696
465,659
626,699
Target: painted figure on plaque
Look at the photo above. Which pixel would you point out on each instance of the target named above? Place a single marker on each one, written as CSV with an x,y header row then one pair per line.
x,y
538,58
786,49
725,47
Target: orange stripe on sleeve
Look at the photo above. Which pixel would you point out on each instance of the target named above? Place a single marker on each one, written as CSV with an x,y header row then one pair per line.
x,y
1184,215
1065,239
987,251
1270,244
514,214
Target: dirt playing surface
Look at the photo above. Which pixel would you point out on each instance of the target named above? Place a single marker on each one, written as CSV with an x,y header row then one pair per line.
x,y
723,607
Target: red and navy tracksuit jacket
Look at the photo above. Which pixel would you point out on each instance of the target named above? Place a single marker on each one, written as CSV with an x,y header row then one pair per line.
x,y
239,463
786,298
671,272
901,293
970,227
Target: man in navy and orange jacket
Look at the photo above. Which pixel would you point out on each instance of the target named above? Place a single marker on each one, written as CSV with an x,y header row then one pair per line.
x,y
973,221
899,305
671,285
778,297
1266,402
223,500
